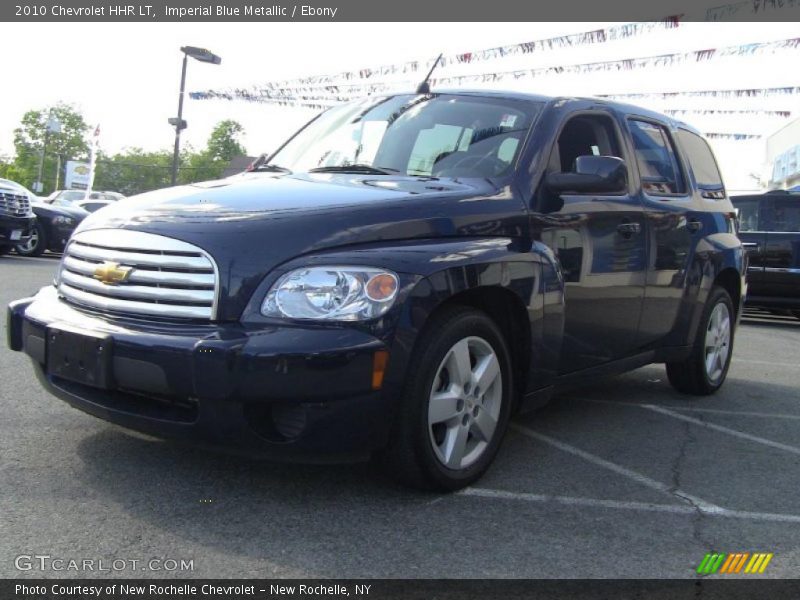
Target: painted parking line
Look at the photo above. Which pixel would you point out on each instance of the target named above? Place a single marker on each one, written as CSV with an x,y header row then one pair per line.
x,y
574,501
625,505
618,469
716,411
727,430
766,362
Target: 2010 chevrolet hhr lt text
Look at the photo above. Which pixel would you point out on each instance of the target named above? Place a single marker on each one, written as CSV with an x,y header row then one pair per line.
x,y
398,279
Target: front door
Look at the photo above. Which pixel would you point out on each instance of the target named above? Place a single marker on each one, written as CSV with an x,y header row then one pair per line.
x,y
600,243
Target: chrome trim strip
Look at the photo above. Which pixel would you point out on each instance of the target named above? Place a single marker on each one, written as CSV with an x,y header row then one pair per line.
x,y
125,291
142,276
134,258
793,271
145,308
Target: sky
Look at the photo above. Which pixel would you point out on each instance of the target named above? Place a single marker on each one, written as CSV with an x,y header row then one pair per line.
x,y
125,77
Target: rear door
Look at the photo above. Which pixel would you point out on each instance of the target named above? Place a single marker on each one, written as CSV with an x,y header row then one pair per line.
x,y
671,225
782,252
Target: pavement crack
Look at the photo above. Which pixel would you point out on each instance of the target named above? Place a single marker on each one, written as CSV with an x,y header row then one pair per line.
x,y
698,517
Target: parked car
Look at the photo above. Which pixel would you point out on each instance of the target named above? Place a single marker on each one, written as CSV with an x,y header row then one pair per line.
x,y
769,227
400,277
54,225
90,201
17,220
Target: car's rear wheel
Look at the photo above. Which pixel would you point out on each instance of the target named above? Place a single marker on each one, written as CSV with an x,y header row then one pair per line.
x,y
705,370
455,405
37,243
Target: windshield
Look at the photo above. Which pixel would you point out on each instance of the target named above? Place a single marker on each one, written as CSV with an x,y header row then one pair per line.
x,y
67,198
436,135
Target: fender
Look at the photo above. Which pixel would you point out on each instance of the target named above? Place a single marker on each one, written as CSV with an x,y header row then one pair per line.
x,y
433,272
712,255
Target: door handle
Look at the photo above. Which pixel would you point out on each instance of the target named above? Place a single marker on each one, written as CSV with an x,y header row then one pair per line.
x,y
750,244
694,225
629,229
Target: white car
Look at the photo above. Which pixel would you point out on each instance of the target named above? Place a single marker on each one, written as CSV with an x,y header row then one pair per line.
x,y
89,202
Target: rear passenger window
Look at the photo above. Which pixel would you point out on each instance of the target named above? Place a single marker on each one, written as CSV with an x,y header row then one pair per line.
x,y
701,159
655,155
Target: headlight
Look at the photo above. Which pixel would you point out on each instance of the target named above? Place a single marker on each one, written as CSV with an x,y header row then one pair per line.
x,y
63,221
332,294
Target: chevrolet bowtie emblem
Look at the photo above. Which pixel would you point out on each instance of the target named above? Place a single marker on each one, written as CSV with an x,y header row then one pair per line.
x,y
111,273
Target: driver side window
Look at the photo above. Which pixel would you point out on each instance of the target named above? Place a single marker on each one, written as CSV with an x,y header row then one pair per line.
x,y
584,135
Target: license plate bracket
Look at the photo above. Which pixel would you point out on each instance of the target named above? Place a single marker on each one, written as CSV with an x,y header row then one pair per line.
x,y
80,356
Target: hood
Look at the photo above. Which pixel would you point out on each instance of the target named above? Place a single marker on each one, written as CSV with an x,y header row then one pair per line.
x,y
41,209
252,223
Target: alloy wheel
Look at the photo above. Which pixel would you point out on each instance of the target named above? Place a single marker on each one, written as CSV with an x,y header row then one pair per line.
x,y
464,403
717,342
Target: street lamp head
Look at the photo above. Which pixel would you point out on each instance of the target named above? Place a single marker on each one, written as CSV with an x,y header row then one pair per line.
x,y
201,54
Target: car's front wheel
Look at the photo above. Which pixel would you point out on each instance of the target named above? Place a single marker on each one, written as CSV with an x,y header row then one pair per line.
x,y
705,370
36,245
456,402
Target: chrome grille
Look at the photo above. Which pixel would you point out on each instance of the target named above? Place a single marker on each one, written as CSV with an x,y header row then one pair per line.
x,y
15,205
166,277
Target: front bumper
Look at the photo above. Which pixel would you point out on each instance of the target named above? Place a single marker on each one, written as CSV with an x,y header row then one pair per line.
x,y
299,393
9,224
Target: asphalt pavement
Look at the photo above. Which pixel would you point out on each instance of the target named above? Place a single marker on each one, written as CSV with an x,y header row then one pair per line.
x,y
625,479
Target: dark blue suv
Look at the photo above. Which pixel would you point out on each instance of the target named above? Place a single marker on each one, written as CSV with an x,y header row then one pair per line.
x,y
397,279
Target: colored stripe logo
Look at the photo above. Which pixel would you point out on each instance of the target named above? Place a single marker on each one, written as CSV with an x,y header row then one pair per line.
x,y
734,563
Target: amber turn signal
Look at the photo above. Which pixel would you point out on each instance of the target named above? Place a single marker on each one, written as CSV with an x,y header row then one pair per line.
x,y
379,361
381,287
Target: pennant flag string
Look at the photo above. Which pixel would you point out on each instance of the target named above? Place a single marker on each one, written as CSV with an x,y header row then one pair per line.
x,y
784,114
597,36
343,91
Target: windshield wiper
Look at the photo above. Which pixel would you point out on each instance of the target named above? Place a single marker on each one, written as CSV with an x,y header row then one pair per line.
x,y
268,167
356,168
261,164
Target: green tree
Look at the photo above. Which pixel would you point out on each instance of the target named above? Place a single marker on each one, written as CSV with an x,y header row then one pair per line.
x,y
223,143
29,137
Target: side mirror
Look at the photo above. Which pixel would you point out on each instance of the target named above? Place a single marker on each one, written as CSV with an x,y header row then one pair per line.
x,y
593,174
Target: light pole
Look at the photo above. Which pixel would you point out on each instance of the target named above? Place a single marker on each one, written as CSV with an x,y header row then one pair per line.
x,y
202,55
53,126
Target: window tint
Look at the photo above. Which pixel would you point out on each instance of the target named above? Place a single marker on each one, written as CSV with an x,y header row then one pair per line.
x,y
701,159
747,214
658,166
785,215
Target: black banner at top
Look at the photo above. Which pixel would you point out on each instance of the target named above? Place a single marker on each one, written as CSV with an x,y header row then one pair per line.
x,y
391,589
404,11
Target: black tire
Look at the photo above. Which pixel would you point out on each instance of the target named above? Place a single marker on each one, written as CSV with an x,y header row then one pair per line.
x,y
691,376
38,246
4,250
411,455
